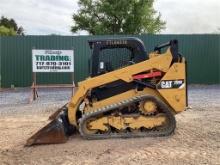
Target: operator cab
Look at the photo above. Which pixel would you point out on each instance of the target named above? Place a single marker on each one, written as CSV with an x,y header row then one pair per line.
x,y
134,45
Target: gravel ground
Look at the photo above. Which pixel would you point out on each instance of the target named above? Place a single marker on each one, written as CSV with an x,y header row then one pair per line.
x,y
196,139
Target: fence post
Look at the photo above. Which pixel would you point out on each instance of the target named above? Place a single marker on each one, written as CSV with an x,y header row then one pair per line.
x,y
0,61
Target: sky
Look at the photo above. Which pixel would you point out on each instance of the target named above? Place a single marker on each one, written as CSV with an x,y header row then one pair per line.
x,y
43,17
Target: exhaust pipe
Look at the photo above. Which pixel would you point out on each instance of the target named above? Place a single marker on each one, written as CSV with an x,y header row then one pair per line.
x,y
57,131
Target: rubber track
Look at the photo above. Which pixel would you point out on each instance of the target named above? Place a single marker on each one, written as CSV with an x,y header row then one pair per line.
x,y
99,113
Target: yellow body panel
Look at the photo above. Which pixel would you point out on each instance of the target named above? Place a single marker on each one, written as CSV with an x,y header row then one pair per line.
x,y
175,97
161,62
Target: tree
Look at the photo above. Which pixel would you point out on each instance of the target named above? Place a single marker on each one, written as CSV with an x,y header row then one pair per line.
x,y
4,31
117,17
11,24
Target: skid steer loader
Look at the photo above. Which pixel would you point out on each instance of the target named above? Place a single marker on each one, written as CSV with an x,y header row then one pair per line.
x,y
139,99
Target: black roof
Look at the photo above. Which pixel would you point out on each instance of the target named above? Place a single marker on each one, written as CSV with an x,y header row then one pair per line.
x,y
127,42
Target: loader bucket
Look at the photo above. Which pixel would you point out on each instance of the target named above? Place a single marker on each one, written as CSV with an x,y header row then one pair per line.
x,y
52,133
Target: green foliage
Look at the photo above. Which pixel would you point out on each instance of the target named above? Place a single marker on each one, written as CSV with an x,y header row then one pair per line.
x,y
11,24
117,17
4,31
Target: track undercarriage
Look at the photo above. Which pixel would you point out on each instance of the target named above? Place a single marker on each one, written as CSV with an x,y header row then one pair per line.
x,y
138,116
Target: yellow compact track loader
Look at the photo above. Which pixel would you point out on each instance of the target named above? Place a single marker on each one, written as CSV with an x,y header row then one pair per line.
x,y
139,99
